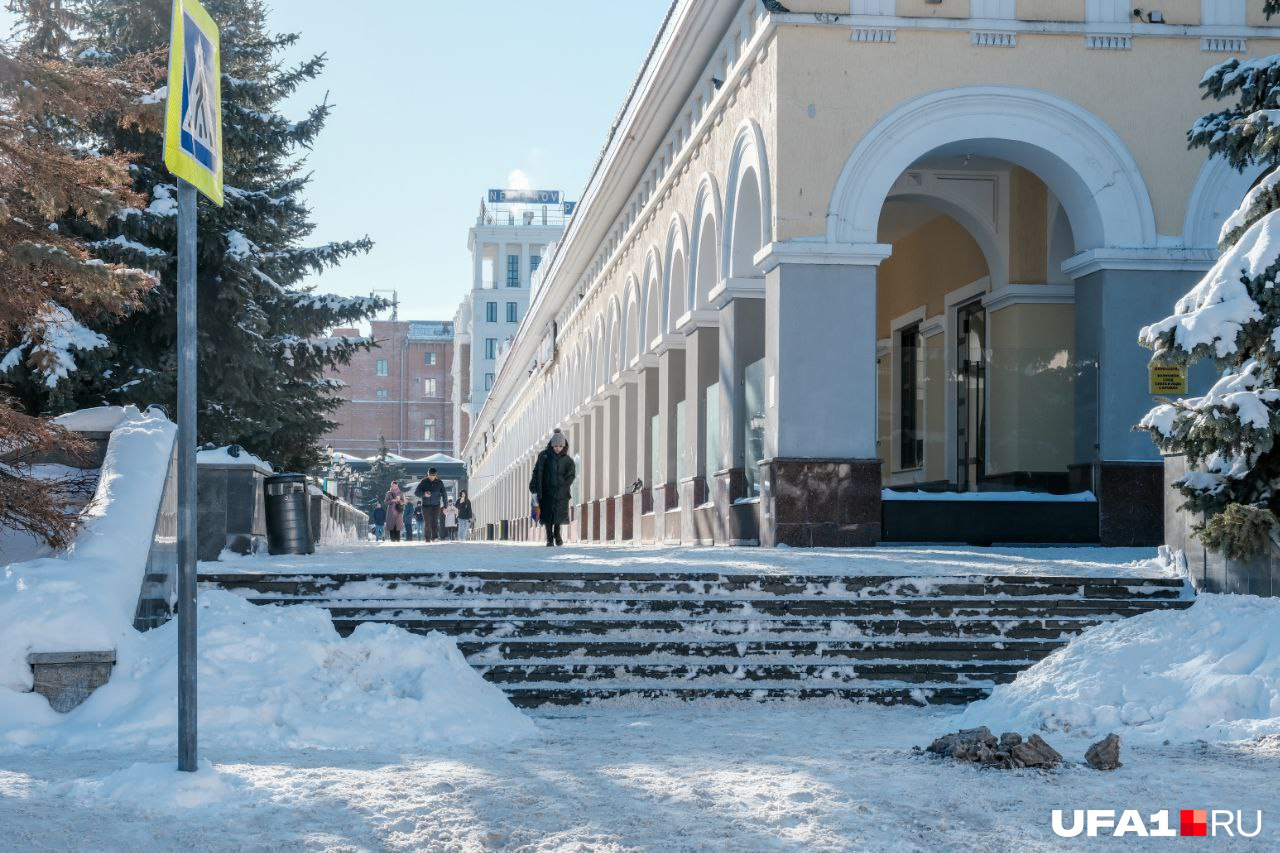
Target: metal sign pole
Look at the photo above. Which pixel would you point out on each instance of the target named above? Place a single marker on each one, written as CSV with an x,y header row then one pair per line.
x,y
187,756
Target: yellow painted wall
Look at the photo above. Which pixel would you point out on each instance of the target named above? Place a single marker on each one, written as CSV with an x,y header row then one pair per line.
x,y
937,258
1148,95
1028,228
921,9
1030,390
1255,18
1051,10
1176,12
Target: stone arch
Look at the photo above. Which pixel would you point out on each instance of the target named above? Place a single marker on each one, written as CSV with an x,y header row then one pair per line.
x,y
977,227
748,207
704,260
630,323
1075,153
613,343
1217,193
675,274
651,324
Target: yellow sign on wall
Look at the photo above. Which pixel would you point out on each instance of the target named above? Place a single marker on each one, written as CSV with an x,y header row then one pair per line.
x,y
193,113
1167,379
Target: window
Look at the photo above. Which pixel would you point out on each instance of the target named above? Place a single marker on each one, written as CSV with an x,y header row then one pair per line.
x,y
535,261
488,382
382,393
428,358
911,402
512,308
429,429
513,270
382,367
491,312
490,347
429,387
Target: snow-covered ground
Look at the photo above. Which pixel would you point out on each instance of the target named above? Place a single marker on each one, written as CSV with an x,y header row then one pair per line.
x,y
913,561
646,777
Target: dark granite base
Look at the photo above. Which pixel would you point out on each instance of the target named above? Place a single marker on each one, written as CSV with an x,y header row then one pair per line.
x,y
820,502
1130,503
626,516
610,520
693,494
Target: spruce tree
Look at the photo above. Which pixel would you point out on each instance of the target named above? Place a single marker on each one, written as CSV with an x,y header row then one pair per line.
x,y
382,471
265,357
53,285
1232,317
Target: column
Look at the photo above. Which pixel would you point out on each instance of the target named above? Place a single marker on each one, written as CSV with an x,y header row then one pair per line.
x,y
500,270
666,443
599,465
741,344
702,370
1122,467
525,272
609,491
477,258
628,470
646,409
586,454
820,480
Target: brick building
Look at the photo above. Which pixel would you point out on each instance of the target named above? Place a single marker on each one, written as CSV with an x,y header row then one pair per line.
x,y
402,390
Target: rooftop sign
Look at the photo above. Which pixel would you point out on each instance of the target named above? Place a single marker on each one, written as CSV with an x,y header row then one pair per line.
x,y
524,196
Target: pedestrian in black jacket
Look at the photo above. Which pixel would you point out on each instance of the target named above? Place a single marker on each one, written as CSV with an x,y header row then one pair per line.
x,y
431,490
553,474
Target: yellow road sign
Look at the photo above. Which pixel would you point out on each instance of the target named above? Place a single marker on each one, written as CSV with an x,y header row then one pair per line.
x,y
193,113
1167,379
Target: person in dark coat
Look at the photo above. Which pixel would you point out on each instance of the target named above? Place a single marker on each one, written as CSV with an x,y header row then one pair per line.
x,y
466,515
553,474
408,513
378,519
431,490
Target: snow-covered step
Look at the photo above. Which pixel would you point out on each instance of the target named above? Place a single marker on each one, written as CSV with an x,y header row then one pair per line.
x,y
533,696
477,585
561,638
765,648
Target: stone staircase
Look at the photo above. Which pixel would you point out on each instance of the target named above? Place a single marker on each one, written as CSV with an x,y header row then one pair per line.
x,y
566,638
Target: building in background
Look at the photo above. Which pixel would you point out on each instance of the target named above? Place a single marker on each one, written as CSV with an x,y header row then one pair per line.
x,y
402,390
510,237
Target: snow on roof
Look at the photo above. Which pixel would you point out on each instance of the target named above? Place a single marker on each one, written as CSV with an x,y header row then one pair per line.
x,y
441,458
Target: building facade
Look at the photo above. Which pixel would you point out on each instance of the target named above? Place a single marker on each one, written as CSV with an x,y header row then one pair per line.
x,y
847,272
402,390
507,244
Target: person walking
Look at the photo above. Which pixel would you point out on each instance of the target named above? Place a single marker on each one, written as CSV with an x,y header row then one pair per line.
x,y
431,490
553,474
465,515
394,503
408,520
450,513
378,519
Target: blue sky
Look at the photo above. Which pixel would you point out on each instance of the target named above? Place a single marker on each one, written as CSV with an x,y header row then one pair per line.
x,y
435,102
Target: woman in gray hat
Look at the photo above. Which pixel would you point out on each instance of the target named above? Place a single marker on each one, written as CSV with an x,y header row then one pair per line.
x,y
553,474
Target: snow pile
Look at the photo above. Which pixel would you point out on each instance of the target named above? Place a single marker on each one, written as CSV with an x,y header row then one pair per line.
x,y
278,677
157,788
1211,672
84,600
100,419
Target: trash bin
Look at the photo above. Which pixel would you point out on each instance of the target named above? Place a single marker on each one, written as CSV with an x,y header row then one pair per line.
x,y
288,525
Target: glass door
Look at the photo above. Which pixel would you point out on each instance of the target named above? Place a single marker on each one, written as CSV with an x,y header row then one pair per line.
x,y
971,398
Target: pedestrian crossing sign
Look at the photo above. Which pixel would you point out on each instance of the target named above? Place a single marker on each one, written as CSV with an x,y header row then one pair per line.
x,y
193,112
